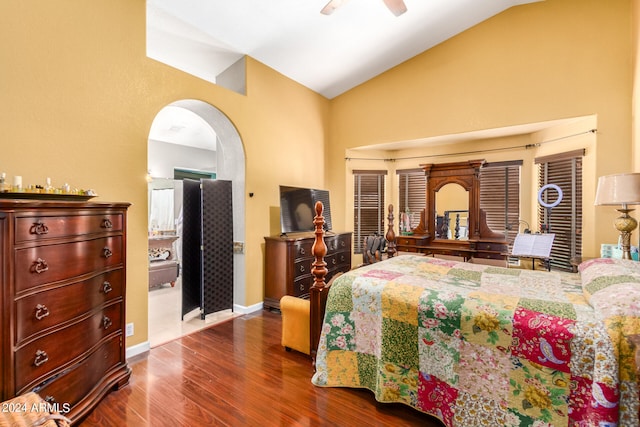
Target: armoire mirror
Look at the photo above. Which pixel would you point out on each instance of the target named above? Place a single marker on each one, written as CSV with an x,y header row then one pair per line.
x,y
452,212
453,206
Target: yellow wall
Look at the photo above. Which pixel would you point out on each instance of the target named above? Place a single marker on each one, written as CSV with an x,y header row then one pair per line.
x,y
79,96
544,61
635,36
78,99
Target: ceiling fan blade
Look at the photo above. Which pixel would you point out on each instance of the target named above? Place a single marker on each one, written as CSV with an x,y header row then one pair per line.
x,y
331,6
397,7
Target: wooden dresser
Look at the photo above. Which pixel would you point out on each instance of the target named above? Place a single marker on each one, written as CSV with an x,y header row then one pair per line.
x,y
62,273
288,262
411,243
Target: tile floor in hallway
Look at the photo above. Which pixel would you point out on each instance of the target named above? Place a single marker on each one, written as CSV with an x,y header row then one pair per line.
x,y
165,323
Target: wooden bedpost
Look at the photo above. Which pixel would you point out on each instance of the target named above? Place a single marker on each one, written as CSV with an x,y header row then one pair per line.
x,y
391,235
318,292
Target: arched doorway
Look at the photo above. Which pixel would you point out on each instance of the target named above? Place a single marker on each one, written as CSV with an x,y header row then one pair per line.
x,y
225,161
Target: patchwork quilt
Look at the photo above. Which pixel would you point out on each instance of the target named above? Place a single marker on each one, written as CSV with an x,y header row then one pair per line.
x,y
477,345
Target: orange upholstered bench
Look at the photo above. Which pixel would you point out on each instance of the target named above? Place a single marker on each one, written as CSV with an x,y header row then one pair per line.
x,y
295,323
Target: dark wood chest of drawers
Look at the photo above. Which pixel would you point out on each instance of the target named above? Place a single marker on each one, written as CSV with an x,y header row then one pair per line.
x,y
62,273
288,263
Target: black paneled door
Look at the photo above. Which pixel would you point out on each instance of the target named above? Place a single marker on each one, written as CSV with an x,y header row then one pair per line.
x,y
191,237
217,241
207,275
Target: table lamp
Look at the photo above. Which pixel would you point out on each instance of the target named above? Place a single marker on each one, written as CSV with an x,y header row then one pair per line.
x,y
621,189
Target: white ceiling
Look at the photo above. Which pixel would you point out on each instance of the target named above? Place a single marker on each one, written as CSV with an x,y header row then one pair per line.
x,y
177,125
328,54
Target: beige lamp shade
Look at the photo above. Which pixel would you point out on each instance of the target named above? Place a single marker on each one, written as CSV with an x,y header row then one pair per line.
x,y
620,189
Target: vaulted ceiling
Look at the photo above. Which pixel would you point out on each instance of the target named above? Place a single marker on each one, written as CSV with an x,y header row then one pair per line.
x,y
329,54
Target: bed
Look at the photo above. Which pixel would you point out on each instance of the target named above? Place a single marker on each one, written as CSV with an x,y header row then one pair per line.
x,y
478,345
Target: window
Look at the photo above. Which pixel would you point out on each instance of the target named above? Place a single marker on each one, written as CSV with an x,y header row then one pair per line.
x,y
564,220
368,208
413,193
500,197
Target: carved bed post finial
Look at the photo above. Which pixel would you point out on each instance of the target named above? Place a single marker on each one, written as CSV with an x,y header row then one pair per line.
x,y
318,292
391,235
319,249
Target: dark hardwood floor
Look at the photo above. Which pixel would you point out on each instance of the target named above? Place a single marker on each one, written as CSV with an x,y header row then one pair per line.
x,y
237,374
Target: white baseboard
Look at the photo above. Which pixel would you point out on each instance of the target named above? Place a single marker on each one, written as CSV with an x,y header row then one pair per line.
x,y
137,349
241,309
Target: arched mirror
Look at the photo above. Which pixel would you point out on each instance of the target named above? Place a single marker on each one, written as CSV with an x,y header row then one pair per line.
x,y
452,212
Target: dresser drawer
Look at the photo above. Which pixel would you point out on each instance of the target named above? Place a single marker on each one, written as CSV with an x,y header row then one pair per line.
x,y
48,227
338,259
302,267
302,285
41,356
43,310
400,248
411,241
302,248
50,263
338,242
491,247
69,388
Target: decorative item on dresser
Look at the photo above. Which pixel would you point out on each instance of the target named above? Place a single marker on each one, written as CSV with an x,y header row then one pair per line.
x,y
288,260
63,301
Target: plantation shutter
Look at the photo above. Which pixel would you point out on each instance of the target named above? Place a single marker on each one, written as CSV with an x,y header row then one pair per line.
x,y
413,193
368,209
500,197
564,220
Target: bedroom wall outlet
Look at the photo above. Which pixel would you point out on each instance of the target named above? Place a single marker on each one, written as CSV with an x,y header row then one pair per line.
x,y
129,330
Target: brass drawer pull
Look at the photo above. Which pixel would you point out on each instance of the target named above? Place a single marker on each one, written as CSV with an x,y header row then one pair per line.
x,y
41,311
302,269
334,261
301,286
106,252
40,266
39,228
41,358
106,287
106,322
302,251
106,223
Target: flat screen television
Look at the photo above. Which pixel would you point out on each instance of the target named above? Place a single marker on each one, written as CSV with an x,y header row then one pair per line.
x,y
297,209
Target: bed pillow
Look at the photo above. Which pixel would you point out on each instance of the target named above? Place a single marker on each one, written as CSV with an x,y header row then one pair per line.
x,y
612,285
